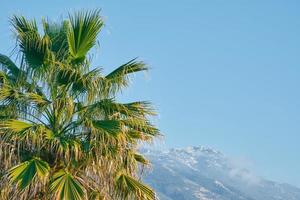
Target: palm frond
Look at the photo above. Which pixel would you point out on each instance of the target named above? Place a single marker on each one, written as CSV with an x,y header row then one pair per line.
x,y
7,63
118,78
141,125
36,98
11,95
57,32
88,84
82,34
8,112
25,172
22,25
112,127
130,185
24,131
66,186
110,107
16,125
34,47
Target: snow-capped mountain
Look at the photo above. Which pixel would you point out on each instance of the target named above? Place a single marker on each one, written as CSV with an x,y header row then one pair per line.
x,y
206,174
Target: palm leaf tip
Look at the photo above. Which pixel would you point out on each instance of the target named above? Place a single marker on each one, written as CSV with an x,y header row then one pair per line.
x,y
127,68
22,25
118,79
141,159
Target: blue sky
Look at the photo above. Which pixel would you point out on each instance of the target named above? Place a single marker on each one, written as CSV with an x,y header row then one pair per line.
x,y
225,74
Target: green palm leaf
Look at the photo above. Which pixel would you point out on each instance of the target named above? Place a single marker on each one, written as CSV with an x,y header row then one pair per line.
x,y
34,47
21,130
130,185
141,125
22,25
89,83
8,64
82,33
25,172
16,125
110,107
118,78
66,186
112,127
57,33
7,112
36,98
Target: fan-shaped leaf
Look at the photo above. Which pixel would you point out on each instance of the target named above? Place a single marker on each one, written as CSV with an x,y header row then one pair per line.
x,y
82,34
130,185
66,186
25,172
34,47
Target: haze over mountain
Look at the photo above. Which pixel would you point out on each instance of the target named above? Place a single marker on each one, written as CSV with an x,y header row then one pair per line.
x,y
207,174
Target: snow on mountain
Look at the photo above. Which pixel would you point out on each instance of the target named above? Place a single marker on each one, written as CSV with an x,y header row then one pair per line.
x,y
206,174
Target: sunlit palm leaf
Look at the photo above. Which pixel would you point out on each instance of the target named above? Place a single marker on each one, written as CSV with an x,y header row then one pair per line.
x,y
11,95
110,107
66,186
36,98
141,125
130,185
119,77
25,172
82,33
16,125
21,130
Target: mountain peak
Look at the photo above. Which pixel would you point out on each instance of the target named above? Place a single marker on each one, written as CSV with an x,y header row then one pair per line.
x,y
200,172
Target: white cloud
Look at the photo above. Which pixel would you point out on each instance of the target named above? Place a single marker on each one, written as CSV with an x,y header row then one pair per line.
x,y
240,170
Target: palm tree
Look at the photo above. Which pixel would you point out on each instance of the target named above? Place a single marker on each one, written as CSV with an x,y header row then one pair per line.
x,y
63,135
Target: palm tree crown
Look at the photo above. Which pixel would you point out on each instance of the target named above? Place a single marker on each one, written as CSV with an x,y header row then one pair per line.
x,y
62,133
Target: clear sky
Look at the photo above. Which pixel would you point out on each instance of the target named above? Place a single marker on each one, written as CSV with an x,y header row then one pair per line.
x,y
225,74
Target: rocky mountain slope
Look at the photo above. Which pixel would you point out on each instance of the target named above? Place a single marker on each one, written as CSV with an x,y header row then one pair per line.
x,y
206,174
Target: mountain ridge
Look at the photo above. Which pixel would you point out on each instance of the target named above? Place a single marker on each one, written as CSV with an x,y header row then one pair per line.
x,y
204,173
